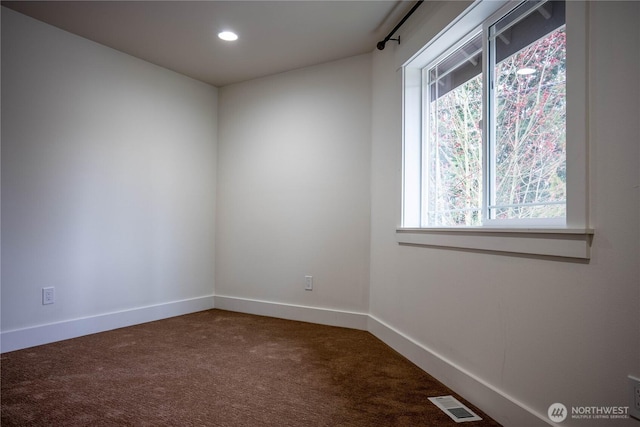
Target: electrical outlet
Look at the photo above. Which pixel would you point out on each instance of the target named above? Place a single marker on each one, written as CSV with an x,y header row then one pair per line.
x,y
634,389
308,283
48,295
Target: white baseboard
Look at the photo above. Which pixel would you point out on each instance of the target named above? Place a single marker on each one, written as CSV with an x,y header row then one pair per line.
x,y
301,313
504,409
37,335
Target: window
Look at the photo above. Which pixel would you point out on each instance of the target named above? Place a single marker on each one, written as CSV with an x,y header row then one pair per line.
x,y
453,138
494,109
527,114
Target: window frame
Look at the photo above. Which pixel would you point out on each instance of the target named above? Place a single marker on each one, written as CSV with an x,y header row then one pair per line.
x,y
571,238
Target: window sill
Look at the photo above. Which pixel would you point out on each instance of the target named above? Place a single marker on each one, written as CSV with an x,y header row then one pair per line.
x,y
552,242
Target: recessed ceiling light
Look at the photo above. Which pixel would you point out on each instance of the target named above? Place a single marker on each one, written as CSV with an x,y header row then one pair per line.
x,y
228,36
525,71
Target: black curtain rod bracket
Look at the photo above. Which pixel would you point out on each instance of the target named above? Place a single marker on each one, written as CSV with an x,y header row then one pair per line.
x,y
382,43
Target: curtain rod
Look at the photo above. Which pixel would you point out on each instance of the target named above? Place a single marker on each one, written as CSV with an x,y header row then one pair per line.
x,y
381,44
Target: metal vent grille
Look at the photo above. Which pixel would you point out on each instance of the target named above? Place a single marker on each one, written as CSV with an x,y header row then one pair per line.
x,y
454,409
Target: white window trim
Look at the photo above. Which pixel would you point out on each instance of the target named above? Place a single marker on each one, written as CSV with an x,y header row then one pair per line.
x,y
551,242
571,239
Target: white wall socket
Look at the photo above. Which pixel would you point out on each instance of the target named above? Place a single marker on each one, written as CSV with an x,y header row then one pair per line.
x,y
48,295
634,404
308,283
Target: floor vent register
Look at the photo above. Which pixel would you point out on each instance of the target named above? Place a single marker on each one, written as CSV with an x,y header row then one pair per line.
x,y
454,409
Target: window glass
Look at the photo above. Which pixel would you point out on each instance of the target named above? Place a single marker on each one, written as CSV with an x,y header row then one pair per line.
x,y
494,123
527,139
454,149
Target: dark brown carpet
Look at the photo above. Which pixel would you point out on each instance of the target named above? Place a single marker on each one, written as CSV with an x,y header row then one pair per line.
x,y
219,368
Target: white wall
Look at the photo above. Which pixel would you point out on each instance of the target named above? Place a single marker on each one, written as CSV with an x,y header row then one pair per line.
x,y
536,331
293,187
108,179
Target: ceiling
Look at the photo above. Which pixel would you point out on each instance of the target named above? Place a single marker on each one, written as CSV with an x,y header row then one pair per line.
x,y
274,36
